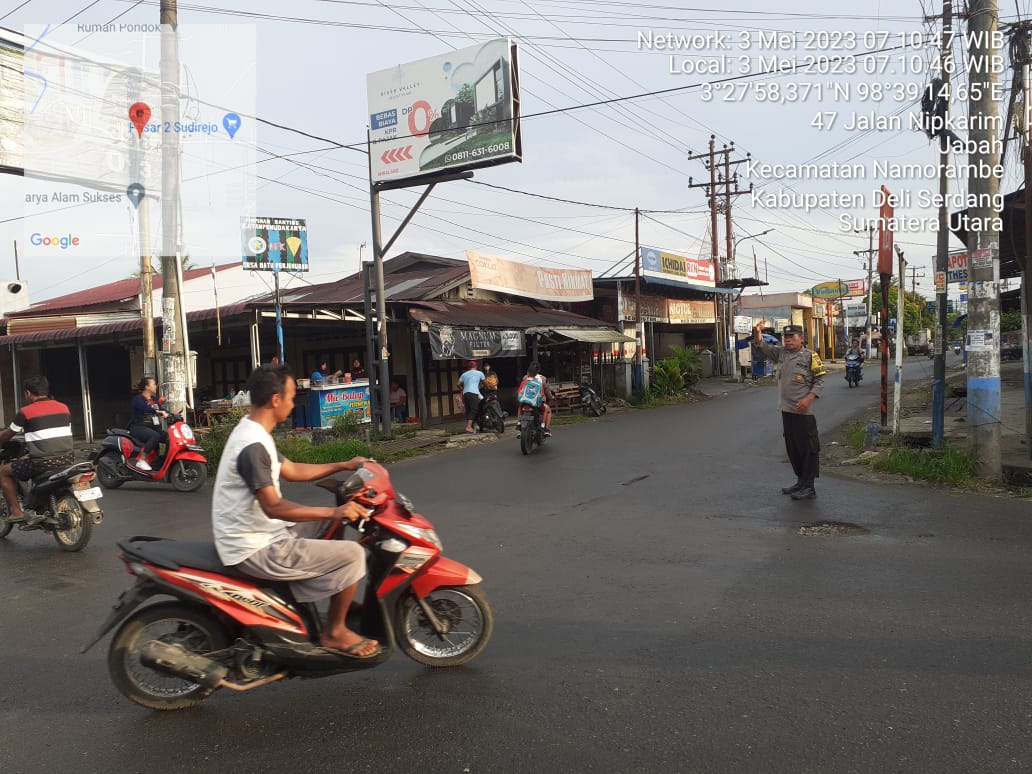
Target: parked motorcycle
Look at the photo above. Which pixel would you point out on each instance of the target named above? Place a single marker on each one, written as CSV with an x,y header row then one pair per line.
x,y
854,370
229,630
183,465
529,423
592,403
65,498
490,416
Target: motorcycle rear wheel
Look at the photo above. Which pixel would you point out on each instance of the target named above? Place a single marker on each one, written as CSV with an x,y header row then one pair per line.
x,y
527,437
189,627
188,475
466,613
106,475
79,529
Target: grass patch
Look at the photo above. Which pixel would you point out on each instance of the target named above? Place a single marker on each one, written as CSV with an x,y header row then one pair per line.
x,y
570,419
298,450
856,434
947,465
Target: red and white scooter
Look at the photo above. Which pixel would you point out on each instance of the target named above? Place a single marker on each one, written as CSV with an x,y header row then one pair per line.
x,y
183,465
225,629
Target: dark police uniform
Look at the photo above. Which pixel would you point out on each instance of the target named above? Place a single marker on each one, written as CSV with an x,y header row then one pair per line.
x,y
800,373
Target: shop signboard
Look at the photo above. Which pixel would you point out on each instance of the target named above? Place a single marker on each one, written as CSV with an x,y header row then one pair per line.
x,y
448,341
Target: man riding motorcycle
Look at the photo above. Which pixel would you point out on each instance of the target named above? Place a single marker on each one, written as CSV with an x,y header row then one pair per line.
x,y
534,374
268,537
47,425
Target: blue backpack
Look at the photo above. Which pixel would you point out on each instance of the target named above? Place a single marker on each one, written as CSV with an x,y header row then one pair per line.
x,y
532,393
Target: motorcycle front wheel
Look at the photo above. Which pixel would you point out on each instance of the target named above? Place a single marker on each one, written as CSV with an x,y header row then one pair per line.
x,y
188,475
192,629
467,620
5,522
75,527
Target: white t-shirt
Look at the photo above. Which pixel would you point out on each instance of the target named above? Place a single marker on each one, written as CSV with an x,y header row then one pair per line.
x,y
249,462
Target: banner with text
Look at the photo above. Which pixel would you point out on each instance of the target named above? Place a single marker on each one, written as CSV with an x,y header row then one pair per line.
x,y
691,312
662,265
447,342
520,279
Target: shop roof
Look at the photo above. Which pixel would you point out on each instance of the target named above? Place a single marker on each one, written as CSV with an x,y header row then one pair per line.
x,y
483,314
664,283
406,277
126,291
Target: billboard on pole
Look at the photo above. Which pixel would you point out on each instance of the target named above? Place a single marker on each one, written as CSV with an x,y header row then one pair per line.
x,y
449,113
274,244
664,265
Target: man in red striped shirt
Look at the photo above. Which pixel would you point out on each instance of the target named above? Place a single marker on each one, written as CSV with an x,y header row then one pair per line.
x,y
47,425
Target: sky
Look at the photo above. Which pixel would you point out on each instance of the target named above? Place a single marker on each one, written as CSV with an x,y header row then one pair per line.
x,y
618,100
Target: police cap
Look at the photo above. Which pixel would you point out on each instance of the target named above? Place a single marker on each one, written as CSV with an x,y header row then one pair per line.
x,y
793,329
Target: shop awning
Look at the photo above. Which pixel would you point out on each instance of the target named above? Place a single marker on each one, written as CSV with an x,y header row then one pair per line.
x,y
591,335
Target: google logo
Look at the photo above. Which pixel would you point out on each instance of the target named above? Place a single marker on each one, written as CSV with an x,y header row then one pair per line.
x,y
64,242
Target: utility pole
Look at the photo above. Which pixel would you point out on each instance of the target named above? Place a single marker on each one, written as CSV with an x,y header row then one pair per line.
x,y
869,252
725,357
983,367
914,277
173,351
639,331
1024,46
897,390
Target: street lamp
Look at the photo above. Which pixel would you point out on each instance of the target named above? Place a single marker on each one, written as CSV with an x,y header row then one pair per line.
x,y
733,258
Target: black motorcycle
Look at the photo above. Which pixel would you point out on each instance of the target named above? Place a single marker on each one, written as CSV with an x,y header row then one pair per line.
x,y
65,498
490,417
592,403
532,432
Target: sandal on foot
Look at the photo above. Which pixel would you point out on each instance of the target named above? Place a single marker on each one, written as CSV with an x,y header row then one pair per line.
x,y
349,652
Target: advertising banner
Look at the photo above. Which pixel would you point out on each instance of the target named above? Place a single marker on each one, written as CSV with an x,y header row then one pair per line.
x,y
521,279
451,112
653,309
834,289
447,342
743,324
691,312
857,288
663,265
957,267
274,244
338,403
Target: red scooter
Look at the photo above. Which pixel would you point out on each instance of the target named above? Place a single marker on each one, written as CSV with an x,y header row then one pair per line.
x,y
184,464
229,630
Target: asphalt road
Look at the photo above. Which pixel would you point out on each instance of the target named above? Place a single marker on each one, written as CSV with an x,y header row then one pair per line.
x,y
656,610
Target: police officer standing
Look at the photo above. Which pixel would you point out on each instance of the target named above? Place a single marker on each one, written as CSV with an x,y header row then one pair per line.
x,y
800,383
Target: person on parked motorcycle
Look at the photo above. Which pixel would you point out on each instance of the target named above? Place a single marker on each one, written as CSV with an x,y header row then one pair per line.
x,y
268,537
47,425
534,372
145,423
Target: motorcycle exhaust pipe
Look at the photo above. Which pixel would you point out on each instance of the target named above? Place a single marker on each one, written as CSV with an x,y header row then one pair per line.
x,y
174,660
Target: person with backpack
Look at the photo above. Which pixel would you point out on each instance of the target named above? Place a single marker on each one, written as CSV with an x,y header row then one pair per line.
x,y
534,391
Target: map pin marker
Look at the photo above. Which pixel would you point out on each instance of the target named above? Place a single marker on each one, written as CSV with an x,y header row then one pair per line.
x,y
139,114
135,193
231,121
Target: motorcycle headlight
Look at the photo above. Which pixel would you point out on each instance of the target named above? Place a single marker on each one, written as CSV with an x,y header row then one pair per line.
x,y
423,534
187,432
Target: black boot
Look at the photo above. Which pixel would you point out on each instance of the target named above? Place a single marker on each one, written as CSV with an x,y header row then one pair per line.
x,y
805,491
791,489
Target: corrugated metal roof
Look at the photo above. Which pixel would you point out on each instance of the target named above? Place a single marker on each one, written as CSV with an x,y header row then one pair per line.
x,y
406,277
482,314
119,291
67,336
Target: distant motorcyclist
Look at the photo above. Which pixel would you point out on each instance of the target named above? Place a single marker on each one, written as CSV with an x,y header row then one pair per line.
x,y
855,349
145,423
534,374
47,425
